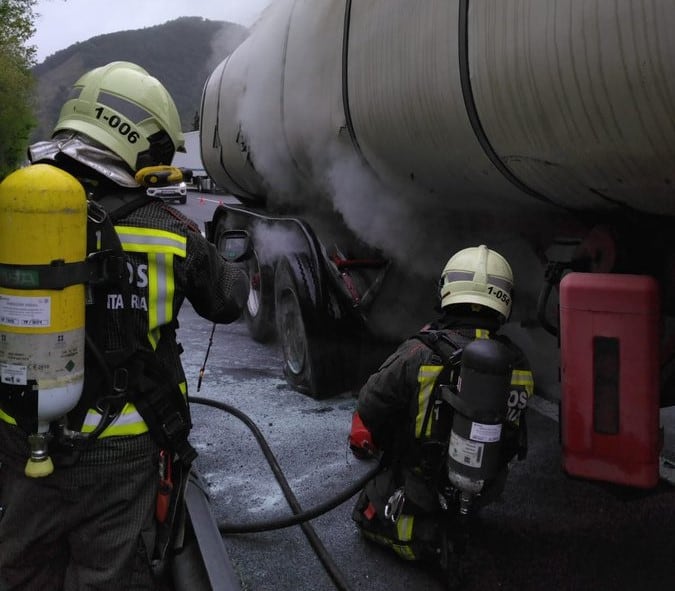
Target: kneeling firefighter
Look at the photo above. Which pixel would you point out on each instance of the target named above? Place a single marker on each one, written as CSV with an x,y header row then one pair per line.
x,y
92,390
447,411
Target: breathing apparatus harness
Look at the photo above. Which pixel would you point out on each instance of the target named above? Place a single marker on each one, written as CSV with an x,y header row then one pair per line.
x,y
430,449
474,385
130,373
457,454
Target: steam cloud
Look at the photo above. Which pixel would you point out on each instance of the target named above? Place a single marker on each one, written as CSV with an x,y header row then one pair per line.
x,y
322,177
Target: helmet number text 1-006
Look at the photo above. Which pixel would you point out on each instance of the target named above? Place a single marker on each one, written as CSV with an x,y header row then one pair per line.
x,y
499,294
116,122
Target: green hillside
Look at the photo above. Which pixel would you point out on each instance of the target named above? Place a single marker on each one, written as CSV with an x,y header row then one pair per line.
x,y
180,53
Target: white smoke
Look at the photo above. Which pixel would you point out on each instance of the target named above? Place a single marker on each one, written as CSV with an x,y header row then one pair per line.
x,y
292,128
398,223
274,241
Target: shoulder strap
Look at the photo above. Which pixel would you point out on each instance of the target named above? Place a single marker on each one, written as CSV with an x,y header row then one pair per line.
x,y
161,404
120,205
449,351
105,251
104,244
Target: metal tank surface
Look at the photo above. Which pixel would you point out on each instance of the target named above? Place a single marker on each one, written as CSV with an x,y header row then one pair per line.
x,y
472,104
407,131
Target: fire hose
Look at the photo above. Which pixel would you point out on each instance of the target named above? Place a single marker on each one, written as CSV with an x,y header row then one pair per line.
x,y
299,516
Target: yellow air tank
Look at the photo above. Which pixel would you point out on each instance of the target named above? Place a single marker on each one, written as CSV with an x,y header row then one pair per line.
x,y
43,229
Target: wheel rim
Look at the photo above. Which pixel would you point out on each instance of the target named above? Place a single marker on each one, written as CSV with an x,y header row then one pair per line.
x,y
255,286
292,332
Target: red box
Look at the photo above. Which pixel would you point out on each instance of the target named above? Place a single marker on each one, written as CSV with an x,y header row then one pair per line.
x,y
609,350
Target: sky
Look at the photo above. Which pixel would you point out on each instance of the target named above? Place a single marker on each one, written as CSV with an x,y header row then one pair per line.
x,y
60,23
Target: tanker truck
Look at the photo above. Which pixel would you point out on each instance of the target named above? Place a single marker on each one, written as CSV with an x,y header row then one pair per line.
x,y
368,141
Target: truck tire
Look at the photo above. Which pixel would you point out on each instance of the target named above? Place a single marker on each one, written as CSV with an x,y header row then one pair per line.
x,y
292,308
312,360
259,310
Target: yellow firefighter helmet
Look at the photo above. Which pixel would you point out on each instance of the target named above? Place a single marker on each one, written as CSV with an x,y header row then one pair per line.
x,y
128,111
478,275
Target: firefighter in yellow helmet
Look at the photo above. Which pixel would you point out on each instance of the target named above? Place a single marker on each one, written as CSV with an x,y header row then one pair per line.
x,y
403,414
99,519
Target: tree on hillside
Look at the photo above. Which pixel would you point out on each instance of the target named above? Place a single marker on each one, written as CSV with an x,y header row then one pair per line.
x,y
16,82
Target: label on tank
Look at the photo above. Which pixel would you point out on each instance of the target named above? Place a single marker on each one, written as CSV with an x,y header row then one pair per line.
x,y
16,375
466,452
486,433
25,311
53,360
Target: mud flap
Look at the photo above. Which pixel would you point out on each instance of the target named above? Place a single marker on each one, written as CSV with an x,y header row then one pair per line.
x,y
203,563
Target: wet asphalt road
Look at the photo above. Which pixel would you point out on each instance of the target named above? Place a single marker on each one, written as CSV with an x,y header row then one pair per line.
x,y
550,532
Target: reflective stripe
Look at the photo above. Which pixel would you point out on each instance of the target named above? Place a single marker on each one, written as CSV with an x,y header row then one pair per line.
x,y
482,333
459,276
125,107
160,246
404,551
404,531
404,527
523,377
135,239
426,378
500,282
129,422
160,293
452,276
7,418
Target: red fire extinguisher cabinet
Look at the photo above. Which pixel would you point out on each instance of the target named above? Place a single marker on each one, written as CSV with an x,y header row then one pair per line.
x,y
609,345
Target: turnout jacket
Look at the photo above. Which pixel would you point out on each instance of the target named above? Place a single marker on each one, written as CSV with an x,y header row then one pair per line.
x,y
168,260
393,405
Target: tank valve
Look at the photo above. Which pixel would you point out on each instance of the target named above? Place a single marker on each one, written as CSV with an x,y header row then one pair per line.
x,y
39,464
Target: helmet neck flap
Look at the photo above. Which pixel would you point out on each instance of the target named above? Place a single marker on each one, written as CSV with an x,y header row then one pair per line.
x,y
87,152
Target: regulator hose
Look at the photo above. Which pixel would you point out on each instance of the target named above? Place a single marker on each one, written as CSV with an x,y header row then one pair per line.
x,y
299,517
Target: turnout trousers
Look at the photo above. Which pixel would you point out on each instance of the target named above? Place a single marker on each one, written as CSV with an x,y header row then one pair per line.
x,y
89,526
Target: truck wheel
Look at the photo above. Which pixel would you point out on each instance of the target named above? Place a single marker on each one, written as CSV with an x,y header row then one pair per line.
x,y
259,310
291,327
312,364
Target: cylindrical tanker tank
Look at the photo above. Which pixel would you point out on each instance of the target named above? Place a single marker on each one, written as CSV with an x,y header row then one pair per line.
x,y
470,103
